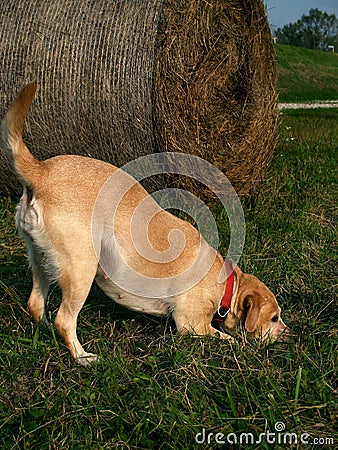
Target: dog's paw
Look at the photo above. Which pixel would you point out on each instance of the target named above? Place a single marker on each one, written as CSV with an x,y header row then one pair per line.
x,y
86,359
224,336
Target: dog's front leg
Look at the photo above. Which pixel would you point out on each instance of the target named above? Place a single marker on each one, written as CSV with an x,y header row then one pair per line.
x,y
197,323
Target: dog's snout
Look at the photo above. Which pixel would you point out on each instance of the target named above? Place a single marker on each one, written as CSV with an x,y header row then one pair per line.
x,y
285,334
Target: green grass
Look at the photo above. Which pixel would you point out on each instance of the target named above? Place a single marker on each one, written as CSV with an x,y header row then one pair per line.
x,y
153,389
306,75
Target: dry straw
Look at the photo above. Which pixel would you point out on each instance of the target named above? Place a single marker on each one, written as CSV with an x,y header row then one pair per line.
x,y
118,80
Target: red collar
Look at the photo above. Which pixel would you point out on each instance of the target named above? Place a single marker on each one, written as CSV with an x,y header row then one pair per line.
x,y
224,306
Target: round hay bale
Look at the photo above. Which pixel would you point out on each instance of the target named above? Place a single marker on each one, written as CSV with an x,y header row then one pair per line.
x,y
118,80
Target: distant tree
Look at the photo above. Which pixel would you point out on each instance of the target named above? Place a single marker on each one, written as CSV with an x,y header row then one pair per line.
x,y
317,30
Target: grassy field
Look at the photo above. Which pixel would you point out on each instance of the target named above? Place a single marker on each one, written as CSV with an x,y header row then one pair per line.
x,y
153,389
306,75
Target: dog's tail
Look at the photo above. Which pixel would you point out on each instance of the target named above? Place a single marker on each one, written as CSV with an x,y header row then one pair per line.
x,y
12,126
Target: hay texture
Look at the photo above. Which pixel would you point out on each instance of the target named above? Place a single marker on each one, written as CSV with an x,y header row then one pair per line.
x,y
118,80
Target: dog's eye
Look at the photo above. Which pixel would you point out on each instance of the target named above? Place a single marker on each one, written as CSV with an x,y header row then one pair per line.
x,y
274,319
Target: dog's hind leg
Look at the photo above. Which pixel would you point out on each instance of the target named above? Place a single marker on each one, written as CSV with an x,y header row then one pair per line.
x,y
41,253
75,284
37,299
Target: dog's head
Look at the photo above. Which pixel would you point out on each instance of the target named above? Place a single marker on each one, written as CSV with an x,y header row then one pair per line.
x,y
256,307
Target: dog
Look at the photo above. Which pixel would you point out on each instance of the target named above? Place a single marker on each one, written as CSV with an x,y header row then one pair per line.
x,y
56,217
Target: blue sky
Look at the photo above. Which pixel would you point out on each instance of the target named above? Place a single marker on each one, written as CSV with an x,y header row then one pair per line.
x,y
282,12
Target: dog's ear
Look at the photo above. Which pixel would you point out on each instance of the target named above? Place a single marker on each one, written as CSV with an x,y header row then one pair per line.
x,y
252,313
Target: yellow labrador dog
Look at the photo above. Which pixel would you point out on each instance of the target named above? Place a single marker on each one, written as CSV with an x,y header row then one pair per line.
x,y
56,218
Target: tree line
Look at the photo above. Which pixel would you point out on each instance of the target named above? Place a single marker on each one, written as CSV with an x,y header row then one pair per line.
x,y
318,30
